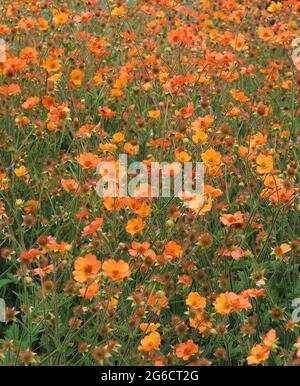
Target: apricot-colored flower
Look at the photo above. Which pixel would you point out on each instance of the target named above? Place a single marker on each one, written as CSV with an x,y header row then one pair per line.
x,y
76,77
60,18
186,350
270,339
182,155
30,103
86,267
135,226
173,249
132,149
52,65
230,302
118,137
69,185
92,227
238,43
116,270
222,305
90,291
232,219
149,327
282,249
150,342
88,160
195,300
211,157
141,249
265,33
259,354
154,114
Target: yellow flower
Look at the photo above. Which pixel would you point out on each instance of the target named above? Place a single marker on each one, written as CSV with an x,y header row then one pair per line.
x,y
60,18
118,11
200,137
118,137
274,7
264,164
21,171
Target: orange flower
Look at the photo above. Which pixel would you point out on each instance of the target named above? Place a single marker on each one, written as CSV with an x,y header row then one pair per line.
x,y
176,36
69,185
43,24
48,102
92,227
118,11
173,249
186,350
106,112
150,342
89,292
239,95
116,270
76,77
185,112
149,327
154,114
258,354
239,43
194,300
182,156
270,339
31,206
131,149
88,160
118,137
135,226
141,249
265,33
201,321
30,103
274,6
222,305
230,302
211,158
107,147
264,164
86,268
202,123
60,18
239,302
42,272
282,249
185,279
21,171
200,137
11,89
232,219
52,65
158,301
